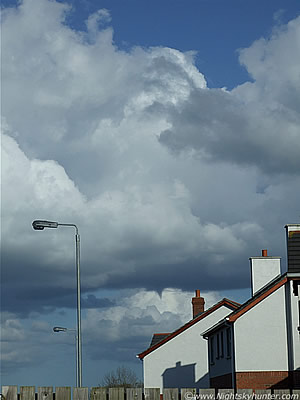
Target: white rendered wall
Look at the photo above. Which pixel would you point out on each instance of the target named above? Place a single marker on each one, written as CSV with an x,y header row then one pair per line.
x,y
261,336
294,325
188,348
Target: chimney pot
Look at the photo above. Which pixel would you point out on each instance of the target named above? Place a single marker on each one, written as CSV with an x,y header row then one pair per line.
x,y
264,253
197,293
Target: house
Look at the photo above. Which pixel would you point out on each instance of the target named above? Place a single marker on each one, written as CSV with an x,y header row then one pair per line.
x,y
258,345
179,359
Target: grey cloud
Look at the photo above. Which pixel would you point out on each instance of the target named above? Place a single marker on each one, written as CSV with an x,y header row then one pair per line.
x,y
91,301
79,144
80,126
256,124
41,290
218,127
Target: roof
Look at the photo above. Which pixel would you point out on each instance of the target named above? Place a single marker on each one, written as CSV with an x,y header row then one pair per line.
x,y
158,337
264,292
225,302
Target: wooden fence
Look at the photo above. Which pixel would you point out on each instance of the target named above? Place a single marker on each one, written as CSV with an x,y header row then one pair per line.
x,y
97,393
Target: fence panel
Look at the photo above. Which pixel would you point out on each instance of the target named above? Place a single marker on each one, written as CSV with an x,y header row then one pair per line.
x,y
81,393
63,393
223,392
207,394
98,393
247,392
27,393
281,394
152,393
188,393
10,392
170,394
135,394
116,393
263,393
45,393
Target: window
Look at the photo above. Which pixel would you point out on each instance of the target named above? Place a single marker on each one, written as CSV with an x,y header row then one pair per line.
x,y
228,342
211,349
222,344
299,315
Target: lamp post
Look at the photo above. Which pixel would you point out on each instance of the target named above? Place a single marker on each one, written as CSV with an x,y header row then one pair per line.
x,y
40,225
61,329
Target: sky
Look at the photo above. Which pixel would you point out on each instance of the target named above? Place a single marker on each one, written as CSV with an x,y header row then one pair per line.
x,y
169,132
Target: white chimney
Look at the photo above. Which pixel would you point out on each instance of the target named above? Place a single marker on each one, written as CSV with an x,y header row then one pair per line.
x,y
263,270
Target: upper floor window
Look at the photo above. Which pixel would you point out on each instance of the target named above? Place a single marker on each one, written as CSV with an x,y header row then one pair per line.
x,y
222,344
228,342
212,349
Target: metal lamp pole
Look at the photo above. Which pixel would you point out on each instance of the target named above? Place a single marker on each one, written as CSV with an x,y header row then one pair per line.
x,y
40,225
61,329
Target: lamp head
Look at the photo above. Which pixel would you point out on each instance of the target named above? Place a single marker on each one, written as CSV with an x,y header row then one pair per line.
x,y
39,225
59,329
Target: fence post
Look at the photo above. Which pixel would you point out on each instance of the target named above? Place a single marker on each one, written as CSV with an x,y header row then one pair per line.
x,y
63,393
10,392
152,394
135,394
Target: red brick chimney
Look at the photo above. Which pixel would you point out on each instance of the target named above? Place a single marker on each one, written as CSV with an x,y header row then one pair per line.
x,y
198,304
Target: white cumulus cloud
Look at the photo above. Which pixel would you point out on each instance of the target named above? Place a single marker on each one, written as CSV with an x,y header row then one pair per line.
x,y
172,184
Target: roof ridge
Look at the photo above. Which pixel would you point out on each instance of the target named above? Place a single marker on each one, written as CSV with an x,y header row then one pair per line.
x,y
232,301
166,333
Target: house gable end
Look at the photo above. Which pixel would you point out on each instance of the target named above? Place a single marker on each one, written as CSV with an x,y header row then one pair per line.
x,y
256,300
231,305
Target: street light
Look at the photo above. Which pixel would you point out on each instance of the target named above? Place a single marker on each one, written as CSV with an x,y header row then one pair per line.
x,y
40,225
61,329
